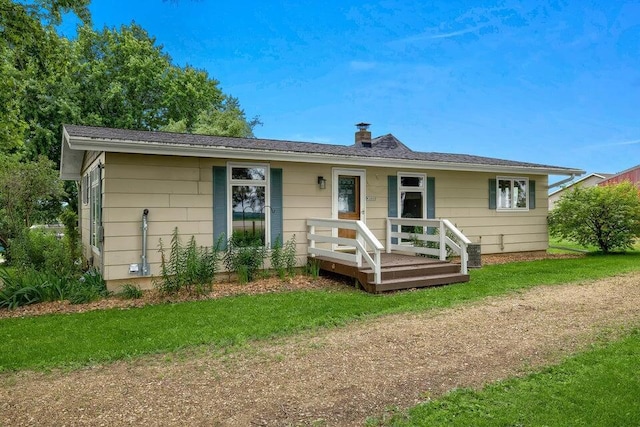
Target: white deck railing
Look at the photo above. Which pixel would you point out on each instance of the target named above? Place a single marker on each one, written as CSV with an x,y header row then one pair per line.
x,y
440,232
365,245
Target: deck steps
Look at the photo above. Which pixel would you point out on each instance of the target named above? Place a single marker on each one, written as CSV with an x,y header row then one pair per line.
x,y
399,272
416,282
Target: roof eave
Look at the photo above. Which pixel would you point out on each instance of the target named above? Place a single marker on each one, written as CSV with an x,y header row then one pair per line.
x,y
70,160
167,149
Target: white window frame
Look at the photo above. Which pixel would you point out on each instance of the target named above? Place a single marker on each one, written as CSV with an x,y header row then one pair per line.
x,y
95,207
250,182
512,180
422,189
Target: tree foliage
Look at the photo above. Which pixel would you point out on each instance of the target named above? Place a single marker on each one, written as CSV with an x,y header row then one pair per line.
x,y
607,217
30,192
34,66
116,77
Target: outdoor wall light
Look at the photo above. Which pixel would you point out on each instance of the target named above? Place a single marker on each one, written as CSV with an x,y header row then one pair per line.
x,y
322,182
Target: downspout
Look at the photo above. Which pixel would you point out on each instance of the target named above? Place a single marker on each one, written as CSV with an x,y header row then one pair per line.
x,y
144,270
564,181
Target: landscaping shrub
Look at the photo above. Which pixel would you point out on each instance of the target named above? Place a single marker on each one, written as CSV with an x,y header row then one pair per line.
x,y
313,268
187,267
277,259
42,250
607,217
89,287
130,291
289,255
28,286
283,258
71,235
245,258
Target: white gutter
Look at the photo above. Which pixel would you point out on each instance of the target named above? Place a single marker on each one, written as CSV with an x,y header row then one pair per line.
x,y
167,149
564,181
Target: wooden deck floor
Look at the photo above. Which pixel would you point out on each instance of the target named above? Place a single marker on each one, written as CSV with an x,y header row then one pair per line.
x,y
399,271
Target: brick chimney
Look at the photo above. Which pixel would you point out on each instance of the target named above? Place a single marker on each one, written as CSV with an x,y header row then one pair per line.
x,y
363,136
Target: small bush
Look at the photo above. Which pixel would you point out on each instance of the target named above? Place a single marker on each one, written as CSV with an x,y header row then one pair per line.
x,y
24,287
313,268
28,286
277,259
42,250
191,267
18,289
90,287
130,291
289,255
71,235
244,259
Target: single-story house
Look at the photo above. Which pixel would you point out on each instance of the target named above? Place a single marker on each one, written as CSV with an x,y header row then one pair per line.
x,y
211,186
590,180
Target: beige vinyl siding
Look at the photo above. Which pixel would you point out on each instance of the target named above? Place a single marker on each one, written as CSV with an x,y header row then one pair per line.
x,y
377,207
462,197
170,188
178,193
302,198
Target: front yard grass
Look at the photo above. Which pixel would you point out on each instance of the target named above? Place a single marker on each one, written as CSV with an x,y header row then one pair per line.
x,y
559,246
599,387
75,340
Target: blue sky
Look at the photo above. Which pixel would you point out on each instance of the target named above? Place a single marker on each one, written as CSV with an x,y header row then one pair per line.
x,y
553,82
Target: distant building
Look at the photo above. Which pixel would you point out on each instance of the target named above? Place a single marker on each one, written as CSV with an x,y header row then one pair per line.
x,y
631,174
590,180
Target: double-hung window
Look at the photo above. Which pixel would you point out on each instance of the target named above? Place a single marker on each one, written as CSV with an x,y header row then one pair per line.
x,y
512,193
249,217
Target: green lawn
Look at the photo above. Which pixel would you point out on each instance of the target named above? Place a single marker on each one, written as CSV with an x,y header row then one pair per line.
x,y
597,388
74,340
564,246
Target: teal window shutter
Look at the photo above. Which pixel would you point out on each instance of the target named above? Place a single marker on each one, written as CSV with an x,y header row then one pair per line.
x,y
220,205
431,197
277,227
392,192
492,194
532,194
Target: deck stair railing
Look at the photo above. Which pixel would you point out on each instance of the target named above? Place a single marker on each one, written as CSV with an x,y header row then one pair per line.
x,y
429,237
365,246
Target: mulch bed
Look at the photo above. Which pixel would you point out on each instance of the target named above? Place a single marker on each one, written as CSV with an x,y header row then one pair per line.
x,y
224,289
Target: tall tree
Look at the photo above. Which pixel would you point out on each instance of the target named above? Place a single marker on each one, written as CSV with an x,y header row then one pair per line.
x,y
127,81
113,77
26,192
121,74
33,66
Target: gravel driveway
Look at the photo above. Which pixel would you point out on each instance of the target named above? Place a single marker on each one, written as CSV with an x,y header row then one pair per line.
x,y
333,377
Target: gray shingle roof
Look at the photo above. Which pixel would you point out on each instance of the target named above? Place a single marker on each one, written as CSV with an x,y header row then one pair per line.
x,y
383,147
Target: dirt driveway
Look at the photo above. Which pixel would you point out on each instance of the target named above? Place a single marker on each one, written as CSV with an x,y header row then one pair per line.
x,y
332,378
